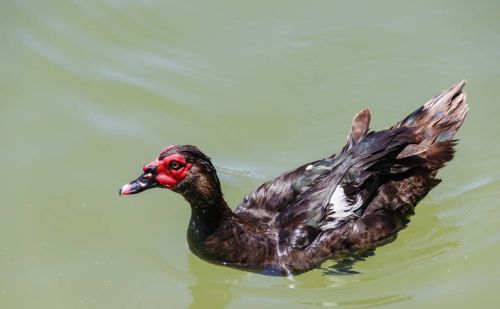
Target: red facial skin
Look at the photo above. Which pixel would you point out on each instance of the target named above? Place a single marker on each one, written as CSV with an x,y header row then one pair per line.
x,y
167,177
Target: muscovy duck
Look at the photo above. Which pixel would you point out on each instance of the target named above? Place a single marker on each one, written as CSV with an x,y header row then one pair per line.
x,y
348,203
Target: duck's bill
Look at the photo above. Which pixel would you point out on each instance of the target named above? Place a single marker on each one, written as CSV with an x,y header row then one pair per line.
x,y
144,182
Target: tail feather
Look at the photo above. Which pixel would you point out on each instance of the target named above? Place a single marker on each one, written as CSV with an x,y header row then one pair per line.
x,y
434,125
440,153
444,113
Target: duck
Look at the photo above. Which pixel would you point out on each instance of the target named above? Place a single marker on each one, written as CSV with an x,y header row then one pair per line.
x,y
345,204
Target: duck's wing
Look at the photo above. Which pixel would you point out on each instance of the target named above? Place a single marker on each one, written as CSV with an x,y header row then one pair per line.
x,y
265,203
297,206
351,183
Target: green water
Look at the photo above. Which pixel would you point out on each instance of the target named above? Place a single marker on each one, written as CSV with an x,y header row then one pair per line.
x,y
92,90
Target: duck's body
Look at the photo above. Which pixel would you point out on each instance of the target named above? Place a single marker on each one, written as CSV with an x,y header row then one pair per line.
x,y
348,203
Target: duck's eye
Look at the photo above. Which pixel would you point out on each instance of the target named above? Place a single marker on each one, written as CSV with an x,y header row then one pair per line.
x,y
174,165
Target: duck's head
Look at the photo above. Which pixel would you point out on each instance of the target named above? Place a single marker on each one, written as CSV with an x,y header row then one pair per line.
x,y
180,168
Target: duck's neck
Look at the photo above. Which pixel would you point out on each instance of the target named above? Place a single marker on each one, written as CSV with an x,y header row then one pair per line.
x,y
207,215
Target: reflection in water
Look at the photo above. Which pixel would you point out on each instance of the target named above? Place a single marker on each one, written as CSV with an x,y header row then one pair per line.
x,y
344,265
212,285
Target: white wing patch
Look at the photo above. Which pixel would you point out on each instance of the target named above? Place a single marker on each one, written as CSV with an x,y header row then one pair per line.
x,y
340,209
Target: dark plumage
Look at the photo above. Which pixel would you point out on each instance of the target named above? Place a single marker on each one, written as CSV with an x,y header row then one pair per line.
x,y
348,203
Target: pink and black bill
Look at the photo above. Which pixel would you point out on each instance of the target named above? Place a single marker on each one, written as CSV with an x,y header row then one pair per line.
x,y
142,183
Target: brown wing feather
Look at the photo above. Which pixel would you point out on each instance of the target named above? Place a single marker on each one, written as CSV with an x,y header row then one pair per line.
x,y
359,128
